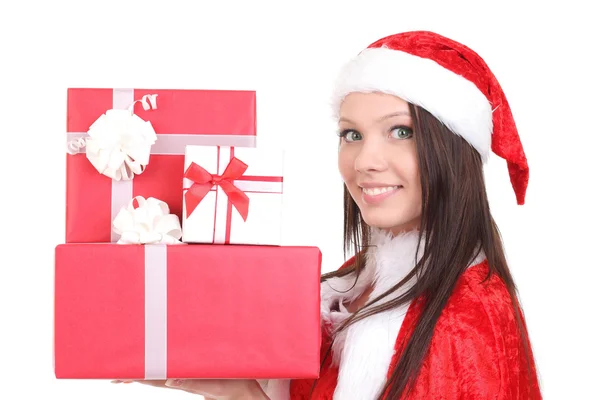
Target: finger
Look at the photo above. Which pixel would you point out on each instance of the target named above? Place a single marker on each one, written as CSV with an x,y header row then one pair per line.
x,y
157,383
152,382
212,388
208,388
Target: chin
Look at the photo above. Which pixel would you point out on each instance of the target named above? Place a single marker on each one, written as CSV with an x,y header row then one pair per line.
x,y
376,220
381,220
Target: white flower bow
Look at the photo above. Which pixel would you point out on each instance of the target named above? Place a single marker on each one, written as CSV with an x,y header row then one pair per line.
x,y
148,223
119,141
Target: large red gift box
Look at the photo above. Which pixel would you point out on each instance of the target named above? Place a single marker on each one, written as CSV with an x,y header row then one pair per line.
x,y
182,117
186,311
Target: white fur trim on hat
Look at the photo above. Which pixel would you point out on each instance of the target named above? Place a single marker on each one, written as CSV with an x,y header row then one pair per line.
x,y
451,98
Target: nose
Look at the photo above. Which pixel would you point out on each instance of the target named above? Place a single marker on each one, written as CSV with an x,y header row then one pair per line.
x,y
371,156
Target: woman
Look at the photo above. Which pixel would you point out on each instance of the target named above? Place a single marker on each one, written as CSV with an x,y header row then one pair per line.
x,y
427,307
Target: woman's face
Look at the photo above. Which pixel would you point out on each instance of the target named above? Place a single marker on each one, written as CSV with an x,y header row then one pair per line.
x,y
378,160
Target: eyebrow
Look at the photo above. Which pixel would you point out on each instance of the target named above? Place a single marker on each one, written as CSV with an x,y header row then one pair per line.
x,y
395,114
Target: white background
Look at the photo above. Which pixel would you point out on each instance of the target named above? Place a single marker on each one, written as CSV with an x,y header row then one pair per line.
x,y
544,56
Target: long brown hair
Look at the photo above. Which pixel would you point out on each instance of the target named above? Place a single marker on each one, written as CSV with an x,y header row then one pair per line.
x,y
458,222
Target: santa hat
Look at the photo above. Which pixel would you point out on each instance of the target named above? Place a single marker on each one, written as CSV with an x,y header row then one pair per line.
x,y
450,81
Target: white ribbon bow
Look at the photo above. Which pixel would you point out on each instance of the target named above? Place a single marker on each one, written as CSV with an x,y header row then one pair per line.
x,y
148,223
119,141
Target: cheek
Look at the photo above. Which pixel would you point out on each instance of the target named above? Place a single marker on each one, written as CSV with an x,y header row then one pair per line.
x,y
346,164
406,166
415,178
415,183
403,162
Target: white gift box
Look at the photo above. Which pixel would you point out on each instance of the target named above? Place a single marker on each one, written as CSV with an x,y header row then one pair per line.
x,y
232,195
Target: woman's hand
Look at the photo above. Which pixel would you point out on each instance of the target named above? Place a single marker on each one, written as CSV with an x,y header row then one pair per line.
x,y
212,389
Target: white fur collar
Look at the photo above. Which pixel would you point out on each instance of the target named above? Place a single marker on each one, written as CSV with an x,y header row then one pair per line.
x,y
365,349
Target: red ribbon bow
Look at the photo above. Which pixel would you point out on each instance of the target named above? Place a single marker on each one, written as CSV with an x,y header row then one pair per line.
x,y
204,182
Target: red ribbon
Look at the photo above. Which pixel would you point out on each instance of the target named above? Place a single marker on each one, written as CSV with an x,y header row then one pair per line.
x,y
204,182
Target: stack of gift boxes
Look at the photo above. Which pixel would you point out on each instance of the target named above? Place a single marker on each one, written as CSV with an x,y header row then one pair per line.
x,y
173,265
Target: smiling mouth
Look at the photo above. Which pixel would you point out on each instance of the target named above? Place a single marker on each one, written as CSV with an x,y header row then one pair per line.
x,y
379,190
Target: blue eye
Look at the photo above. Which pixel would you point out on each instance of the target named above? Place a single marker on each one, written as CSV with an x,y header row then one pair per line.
x,y
350,135
401,132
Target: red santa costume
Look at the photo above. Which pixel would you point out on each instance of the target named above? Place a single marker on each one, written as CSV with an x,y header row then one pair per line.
x,y
475,350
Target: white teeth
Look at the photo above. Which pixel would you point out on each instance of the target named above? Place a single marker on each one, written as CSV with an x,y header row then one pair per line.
x,y
380,190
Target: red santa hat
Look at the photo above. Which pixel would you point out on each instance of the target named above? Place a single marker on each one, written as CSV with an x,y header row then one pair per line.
x,y
450,81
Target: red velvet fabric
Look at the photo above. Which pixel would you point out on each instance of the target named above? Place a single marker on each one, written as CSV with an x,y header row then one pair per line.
x,y
474,353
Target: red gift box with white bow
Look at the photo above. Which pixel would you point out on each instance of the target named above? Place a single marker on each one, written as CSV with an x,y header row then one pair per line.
x,y
186,311
125,143
233,195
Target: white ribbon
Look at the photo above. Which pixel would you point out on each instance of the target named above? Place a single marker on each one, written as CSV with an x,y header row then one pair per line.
x,y
155,305
148,223
172,143
148,101
119,142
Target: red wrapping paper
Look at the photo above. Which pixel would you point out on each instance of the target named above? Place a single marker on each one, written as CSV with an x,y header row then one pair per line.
x,y
231,311
217,117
